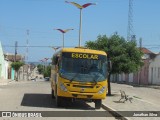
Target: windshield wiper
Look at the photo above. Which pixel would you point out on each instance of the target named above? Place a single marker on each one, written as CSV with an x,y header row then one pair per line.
x,y
94,78
95,81
74,77
64,77
82,70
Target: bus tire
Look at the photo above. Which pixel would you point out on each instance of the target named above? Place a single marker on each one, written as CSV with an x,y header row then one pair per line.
x,y
58,101
98,104
52,94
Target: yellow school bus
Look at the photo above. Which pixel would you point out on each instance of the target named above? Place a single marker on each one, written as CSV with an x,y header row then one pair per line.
x,y
79,73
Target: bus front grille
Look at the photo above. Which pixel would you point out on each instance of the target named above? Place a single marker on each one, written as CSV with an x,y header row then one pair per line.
x,y
76,95
80,86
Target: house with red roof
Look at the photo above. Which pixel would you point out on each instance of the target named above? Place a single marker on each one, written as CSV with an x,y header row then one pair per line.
x,y
142,76
148,74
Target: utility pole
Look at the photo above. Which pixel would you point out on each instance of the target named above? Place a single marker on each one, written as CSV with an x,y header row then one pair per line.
x,y
140,47
27,42
16,78
140,43
16,44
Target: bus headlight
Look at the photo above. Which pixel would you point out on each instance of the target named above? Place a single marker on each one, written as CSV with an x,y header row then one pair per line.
x,y
102,90
63,87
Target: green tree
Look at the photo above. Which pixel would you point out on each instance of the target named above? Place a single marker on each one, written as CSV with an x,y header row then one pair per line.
x,y
124,55
16,66
40,68
47,72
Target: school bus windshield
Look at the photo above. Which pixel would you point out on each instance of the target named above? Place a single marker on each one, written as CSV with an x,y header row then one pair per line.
x,y
83,67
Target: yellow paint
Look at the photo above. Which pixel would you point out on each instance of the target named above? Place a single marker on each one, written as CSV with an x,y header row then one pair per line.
x,y
71,89
84,56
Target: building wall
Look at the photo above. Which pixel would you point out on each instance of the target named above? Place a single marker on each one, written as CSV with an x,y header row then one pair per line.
x,y
130,78
6,69
115,77
12,74
121,77
2,63
143,73
148,74
139,78
127,78
154,71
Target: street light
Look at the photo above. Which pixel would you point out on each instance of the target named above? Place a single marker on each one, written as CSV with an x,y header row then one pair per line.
x,y
56,48
44,62
46,59
63,32
80,7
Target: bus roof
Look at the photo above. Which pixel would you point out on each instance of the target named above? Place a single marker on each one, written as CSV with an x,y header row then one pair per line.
x,y
83,50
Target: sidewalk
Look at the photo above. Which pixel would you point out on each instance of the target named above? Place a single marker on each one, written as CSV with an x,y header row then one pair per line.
x,y
5,81
144,99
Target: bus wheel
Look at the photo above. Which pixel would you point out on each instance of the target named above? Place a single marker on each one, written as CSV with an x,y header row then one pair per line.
x,y
98,104
58,101
52,93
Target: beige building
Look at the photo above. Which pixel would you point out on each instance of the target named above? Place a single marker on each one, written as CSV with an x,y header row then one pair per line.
x,y
154,70
147,75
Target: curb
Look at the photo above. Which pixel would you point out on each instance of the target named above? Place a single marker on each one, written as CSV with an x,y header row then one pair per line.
x,y
113,112
3,84
6,82
11,81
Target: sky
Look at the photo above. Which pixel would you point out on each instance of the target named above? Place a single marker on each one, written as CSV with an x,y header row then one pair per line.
x,y
42,17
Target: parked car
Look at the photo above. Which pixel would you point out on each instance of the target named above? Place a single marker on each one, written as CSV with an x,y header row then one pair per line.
x,y
46,78
33,79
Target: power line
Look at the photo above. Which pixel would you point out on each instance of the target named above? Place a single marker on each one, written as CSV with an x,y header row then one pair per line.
x,y
61,46
151,45
34,46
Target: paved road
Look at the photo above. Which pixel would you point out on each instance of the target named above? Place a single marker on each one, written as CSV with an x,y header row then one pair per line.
x,y
35,96
147,95
144,99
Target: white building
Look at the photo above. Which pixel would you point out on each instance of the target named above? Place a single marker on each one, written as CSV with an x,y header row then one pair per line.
x,y
154,70
2,63
6,68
